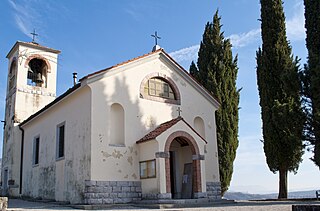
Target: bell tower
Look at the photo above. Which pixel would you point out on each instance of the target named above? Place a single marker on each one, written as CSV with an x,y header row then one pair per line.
x,y
31,85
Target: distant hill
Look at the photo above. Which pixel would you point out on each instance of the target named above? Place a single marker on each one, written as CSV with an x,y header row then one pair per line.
x,y
248,196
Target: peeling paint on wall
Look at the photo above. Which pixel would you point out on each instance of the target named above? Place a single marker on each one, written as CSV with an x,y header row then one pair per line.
x,y
214,177
130,160
115,154
131,149
134,176
106,154
47,180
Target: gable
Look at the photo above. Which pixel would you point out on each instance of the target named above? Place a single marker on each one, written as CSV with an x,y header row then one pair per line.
x,y
167,63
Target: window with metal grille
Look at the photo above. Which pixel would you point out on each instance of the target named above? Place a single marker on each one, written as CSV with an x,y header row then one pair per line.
x,y
36,150
60,140
159,88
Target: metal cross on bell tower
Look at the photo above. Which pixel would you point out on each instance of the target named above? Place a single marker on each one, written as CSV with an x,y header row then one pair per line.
x,y
34,34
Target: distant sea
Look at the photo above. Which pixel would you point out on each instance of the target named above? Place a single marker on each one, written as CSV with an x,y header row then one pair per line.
x,y
248,196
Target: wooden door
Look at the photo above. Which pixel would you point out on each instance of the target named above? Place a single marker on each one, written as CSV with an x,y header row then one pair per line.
x,y
186,192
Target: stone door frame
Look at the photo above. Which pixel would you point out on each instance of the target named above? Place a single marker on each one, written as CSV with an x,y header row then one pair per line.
x,y
196,183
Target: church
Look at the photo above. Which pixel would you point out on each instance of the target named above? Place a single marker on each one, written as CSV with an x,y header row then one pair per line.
x,y
142,129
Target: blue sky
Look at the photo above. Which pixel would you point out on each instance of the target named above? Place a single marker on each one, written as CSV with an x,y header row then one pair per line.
x,y
96,34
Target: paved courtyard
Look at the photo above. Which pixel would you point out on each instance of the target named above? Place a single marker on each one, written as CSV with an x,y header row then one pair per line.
x,y
18,204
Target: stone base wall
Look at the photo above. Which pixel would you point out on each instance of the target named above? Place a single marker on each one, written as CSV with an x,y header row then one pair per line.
x,y
112,192
214,190
119,192
156,196
306,207
200,195
3,203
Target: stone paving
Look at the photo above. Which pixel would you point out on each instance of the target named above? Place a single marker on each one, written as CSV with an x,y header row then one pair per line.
x,y
18,204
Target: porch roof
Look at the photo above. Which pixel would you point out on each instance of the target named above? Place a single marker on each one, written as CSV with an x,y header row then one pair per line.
x,y
163,127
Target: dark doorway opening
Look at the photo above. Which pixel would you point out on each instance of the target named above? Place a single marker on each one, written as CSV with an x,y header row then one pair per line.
x,y
181,169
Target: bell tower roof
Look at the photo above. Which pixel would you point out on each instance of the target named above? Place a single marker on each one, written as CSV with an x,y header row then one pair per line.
x,y
31,45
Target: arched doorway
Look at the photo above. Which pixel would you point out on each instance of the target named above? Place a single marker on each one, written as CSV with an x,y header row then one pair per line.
x,y
183,175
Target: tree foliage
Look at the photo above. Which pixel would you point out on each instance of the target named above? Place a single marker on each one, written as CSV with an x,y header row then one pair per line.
x,y
217,72
312,75
194,70
279,90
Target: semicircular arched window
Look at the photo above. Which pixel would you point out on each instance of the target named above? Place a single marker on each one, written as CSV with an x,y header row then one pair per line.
x,y
159,89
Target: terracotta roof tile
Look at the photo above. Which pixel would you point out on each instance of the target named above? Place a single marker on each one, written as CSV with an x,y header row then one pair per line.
x,y
159,130
165,126
120,64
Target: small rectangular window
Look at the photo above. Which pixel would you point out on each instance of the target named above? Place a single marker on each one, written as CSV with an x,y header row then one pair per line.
x,y
148,169
60,140
36,150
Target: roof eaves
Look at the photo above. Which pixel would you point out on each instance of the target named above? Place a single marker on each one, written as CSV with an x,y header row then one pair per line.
x,y
34,45
159,130
120,64
191,77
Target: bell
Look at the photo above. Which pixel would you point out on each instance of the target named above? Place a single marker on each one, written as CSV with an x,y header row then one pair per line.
x,y
39,78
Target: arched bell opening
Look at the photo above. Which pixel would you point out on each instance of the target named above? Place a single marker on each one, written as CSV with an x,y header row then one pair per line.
x,y
37,73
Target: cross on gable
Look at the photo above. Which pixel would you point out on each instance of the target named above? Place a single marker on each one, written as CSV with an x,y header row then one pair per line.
x,y
179,111
156,37
34,34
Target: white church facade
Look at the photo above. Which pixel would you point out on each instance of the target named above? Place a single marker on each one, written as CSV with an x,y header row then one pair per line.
x,y
142,129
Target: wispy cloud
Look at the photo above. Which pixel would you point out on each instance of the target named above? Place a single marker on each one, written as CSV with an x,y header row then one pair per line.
x,y
244,39
141,10
295,32
135,15
33,14
295,25
186,54
25,16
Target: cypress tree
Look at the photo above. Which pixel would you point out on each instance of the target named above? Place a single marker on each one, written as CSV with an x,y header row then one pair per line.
x,y
217,72
194,71
279,90
312,72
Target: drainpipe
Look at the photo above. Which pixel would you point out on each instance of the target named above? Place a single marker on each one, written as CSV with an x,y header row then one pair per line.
x,y
21,158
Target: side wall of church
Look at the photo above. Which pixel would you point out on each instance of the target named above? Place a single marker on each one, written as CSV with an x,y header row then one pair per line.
x,y
121,85
61,179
